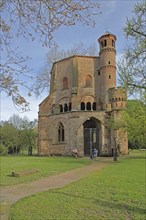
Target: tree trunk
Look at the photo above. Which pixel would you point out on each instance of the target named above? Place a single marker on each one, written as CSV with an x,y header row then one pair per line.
x,y
30,150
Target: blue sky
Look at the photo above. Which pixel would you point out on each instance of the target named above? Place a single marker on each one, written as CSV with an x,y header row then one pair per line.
x,y
112,19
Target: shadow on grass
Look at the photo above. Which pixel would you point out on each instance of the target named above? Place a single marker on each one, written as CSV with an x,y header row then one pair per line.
x,y
112,204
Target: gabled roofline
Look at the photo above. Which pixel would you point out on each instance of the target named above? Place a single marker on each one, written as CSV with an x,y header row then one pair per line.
x,y
70,57
44,100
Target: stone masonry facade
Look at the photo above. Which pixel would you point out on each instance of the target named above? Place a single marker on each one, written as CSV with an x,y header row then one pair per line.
x,y
83,96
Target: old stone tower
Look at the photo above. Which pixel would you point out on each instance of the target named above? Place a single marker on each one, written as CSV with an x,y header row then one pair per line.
x,y
83,95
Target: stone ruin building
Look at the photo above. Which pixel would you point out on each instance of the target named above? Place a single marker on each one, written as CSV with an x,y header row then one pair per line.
x,y
83,96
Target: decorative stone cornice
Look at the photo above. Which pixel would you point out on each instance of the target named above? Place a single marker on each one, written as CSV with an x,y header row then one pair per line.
x,y
106,67
105,50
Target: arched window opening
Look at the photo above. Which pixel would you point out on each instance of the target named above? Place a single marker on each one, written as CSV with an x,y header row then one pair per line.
x,y
65,83
94,106
65,108
70,106
60,132
61,108
98,73
88,106
113,43
82,106
109,76
109,62
88,81
119,99
105,43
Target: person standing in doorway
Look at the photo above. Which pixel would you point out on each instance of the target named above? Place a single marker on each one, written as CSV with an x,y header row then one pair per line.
x,y
95,153
75,153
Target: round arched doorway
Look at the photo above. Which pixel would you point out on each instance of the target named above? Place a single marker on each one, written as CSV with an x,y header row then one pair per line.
x,y
91,136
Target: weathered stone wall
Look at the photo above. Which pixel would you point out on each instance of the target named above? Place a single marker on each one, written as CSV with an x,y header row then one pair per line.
x,y
88,80
73,126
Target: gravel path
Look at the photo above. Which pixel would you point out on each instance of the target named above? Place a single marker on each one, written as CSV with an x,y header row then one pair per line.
x,y
11,194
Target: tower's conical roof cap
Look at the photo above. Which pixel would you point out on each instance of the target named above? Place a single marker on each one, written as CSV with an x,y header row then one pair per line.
x,y
106,34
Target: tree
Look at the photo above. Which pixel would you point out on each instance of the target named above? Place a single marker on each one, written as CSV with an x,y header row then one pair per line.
x,y
28,139
16,121
132,120
29,19
131,68
9,136
135,118
115,122
27,132
18,134
43,78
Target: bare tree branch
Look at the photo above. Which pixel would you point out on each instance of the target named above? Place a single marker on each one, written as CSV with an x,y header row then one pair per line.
x,y
26,19
140,33
43,79
131,67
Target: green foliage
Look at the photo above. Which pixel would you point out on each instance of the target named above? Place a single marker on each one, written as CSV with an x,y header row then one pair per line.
x,y
46,166
9,138
28,139
3,149
118,123
131,67
117,192
18,134
135,118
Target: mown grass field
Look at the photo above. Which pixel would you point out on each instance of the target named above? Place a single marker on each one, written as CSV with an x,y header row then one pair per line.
x,y
46,166
115,193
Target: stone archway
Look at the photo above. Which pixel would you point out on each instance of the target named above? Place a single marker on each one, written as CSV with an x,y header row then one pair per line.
x,y
91,136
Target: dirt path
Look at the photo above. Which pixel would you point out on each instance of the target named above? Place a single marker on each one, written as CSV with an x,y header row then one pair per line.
x,y
12,194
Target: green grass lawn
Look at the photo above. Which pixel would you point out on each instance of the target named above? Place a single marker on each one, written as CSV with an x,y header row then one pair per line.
x,y
115,193
46,166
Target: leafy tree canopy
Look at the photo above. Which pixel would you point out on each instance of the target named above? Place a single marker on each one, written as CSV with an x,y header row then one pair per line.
x,y
132,120
135,118
18,134
131,68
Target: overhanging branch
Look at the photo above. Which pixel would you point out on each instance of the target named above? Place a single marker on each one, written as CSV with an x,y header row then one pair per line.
x,y
140,33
